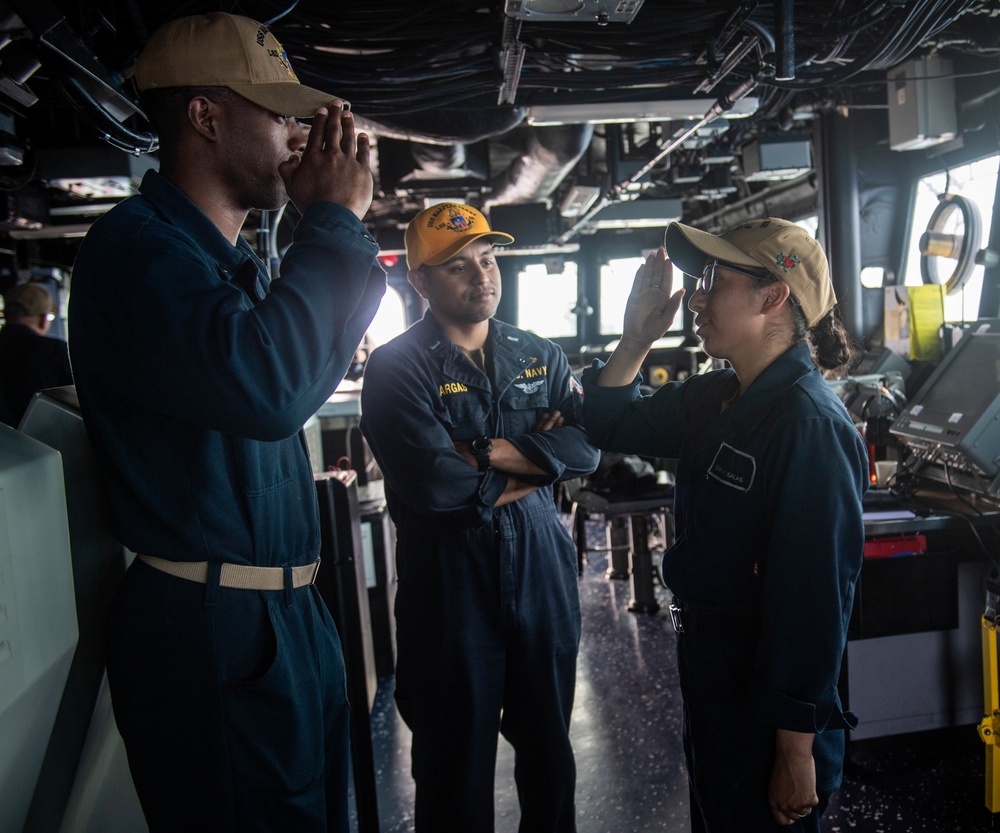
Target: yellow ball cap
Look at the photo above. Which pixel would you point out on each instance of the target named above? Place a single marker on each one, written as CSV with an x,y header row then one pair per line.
x,y
440,232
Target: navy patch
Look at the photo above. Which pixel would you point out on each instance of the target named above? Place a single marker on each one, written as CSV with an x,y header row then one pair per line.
x,y
734,468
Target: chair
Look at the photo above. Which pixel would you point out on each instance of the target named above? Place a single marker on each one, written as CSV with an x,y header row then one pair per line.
x,y
630,517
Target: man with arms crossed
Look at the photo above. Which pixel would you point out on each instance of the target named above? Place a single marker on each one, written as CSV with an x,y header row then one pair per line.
x,y
472,421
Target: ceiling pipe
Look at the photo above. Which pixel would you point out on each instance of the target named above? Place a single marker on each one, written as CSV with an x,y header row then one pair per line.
x,y
438,159
784,29
549,154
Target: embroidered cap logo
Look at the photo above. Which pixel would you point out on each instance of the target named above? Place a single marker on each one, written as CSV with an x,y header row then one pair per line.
x,y
788,261
458,221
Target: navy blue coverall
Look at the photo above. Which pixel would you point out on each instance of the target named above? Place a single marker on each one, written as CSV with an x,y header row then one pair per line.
x,y
195,375
768,548
29,362
487,607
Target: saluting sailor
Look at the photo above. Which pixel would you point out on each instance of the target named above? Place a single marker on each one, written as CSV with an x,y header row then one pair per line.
x,y
769,533
195,376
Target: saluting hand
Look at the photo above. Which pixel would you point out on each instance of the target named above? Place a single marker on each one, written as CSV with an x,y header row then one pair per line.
x,y
649,311
335,165
651,304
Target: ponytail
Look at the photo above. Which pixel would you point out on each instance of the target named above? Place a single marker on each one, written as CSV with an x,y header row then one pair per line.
x,y
831,343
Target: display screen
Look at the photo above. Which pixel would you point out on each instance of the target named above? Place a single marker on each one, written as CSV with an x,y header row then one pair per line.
x,y
966,386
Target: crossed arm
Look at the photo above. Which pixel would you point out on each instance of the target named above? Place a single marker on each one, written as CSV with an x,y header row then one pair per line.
x,y
507,458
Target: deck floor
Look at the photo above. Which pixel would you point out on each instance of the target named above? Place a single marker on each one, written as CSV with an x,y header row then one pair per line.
x,y
626,735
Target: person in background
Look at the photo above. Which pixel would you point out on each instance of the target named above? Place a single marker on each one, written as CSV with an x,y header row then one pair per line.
x,y
195,374
30,359
472,421
769,533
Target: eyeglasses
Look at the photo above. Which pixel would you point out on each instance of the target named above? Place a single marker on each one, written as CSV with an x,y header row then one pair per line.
x,y
707,279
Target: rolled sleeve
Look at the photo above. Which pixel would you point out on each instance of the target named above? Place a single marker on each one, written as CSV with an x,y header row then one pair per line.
x,y
814,557
621,420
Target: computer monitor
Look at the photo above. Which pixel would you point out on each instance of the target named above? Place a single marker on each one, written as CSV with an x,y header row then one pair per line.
x,y
84,784
38,628
954,419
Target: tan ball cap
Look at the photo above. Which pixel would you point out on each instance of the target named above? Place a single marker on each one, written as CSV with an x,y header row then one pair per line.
x,y
227,50
781,247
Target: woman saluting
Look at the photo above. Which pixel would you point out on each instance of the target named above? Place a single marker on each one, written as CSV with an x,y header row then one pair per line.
x,y
769,534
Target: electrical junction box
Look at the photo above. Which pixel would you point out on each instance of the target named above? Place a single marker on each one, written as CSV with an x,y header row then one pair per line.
x,y
527,223
776,158
921,104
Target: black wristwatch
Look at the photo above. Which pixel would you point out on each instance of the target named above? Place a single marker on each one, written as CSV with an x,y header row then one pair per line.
x,y
481,447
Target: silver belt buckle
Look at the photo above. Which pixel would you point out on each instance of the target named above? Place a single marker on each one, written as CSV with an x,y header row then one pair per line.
x,y
675,617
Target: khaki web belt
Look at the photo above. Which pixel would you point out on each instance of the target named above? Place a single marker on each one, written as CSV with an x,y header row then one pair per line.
x,y
239,576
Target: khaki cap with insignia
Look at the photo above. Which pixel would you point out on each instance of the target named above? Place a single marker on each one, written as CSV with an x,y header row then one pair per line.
x,y
784,249
227,50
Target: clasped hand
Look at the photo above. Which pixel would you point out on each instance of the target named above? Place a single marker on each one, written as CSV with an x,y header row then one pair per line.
x,y
334,166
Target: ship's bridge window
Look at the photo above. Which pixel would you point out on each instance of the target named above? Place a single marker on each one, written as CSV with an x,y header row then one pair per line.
x,y
810,224
389,320
616,283
977,183
874,277
546,299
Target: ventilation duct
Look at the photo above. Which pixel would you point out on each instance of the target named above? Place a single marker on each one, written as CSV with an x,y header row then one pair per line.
x,y
549,155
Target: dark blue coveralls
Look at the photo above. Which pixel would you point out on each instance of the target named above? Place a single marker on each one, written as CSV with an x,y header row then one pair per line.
x,y
769,543
29,362
195,376
487,607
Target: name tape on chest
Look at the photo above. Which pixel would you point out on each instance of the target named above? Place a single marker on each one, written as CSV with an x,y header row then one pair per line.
x,y
733,467
449,388
533,380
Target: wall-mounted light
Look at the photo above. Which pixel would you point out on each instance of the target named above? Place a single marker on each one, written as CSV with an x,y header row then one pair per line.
x,y
601,12
623,112
648,213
